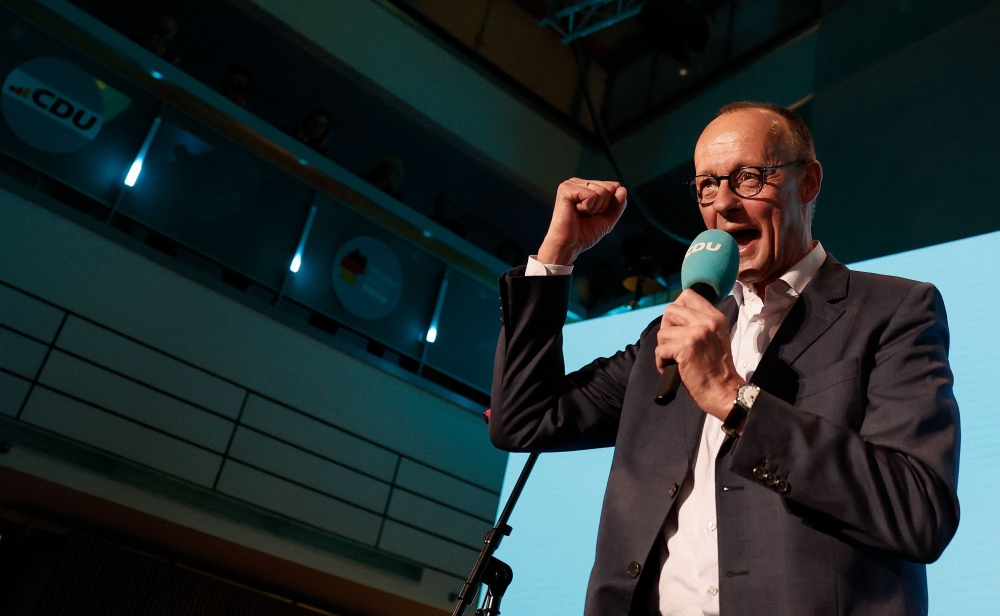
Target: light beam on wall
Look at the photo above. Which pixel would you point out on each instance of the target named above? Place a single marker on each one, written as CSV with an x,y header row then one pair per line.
x,y
133,172
297,259
432,330
136,168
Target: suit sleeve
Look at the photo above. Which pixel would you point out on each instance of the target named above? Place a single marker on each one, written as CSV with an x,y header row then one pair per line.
x,y
891,485
536,406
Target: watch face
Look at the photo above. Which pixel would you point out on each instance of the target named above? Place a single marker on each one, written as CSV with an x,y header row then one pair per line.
x,y
747,395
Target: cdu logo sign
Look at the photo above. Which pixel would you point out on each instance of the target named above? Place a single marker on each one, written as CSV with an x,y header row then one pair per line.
x,y
53,105
709,246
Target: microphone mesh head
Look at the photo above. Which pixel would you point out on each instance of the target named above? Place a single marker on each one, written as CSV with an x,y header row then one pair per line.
x,y
714,260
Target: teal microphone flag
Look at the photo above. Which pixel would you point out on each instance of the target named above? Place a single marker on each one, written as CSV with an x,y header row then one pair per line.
x,y
712,260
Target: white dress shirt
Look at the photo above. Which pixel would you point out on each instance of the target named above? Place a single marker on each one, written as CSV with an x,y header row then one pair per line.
x,y
689,579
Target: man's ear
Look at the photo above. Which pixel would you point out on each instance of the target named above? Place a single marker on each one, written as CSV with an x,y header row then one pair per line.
x,y
812,181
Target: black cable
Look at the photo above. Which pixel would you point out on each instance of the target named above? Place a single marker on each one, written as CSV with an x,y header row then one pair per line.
x,y
609,152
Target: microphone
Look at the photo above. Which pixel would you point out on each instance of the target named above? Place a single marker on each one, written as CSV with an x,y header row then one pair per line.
x,y
709,269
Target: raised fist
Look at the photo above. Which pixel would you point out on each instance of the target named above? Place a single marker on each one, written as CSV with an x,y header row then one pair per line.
x,y
585,211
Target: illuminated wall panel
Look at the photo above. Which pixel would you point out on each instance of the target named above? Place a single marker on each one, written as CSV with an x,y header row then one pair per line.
x,y
555,524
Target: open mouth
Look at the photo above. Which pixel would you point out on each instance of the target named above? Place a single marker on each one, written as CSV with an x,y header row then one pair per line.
x,y
744,237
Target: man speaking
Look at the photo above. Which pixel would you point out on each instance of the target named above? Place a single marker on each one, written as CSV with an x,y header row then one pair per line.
x,y
809,463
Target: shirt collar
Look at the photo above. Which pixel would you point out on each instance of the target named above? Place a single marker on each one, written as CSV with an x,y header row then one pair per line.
x,y
795,279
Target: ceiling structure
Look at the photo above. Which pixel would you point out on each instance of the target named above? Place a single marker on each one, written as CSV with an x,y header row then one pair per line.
x,y
640,57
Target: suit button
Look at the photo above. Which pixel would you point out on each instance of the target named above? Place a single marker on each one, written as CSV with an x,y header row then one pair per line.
x,y
673,490
633,569
782,486
760,473
771,479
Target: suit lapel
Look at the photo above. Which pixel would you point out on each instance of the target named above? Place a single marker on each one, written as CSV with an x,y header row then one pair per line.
x,y
730,308
811,315
694,422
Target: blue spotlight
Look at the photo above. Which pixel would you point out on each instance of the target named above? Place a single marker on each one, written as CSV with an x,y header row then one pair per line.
x,y
432,329
297,259
133,172
136,168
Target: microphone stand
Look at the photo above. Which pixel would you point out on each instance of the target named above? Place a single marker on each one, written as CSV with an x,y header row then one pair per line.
x,y
488,570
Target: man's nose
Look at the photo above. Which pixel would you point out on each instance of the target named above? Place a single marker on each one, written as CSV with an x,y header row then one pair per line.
x,y
726,199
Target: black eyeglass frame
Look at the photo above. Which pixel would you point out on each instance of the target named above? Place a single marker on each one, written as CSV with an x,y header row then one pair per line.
x,y
718,178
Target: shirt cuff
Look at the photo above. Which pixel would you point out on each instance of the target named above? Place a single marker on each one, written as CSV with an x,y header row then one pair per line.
x,y
535,268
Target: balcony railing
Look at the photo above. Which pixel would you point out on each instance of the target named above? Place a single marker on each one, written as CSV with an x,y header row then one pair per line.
x,y
159,155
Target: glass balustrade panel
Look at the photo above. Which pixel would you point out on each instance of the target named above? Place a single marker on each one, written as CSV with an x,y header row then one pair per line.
x,y
367,278
66,115
467,332
207,193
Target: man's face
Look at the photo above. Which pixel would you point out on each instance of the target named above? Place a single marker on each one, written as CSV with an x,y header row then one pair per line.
x,y
771,228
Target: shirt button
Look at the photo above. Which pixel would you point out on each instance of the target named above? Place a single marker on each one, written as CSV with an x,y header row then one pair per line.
x,y
712,590
744,364
712,526
633,569
673,490
760,321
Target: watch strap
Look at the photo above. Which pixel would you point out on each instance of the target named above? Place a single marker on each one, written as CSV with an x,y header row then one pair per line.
x,y
741,409
735,419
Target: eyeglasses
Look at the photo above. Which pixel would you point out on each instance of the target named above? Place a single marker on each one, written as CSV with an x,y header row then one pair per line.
x,y
746,182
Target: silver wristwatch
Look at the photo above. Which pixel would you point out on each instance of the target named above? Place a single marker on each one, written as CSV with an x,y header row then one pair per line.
x,y
745,397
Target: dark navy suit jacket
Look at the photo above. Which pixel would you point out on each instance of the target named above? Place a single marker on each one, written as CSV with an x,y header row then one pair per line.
x,y
841,487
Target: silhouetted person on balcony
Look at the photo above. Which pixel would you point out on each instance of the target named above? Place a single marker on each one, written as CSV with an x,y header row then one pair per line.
x,y
159,39
235,84
443,205
386,175
313,129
